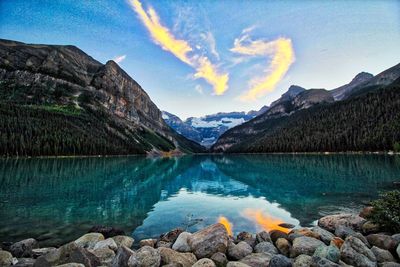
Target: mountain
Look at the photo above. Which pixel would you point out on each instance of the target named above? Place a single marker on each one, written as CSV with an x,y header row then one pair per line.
x,y
364,121
57,100
206,130
342,91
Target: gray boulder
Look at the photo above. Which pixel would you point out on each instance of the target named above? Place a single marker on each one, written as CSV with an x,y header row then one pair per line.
x,y
204,263
208,241
24,262
382,255
236,264
122,257
280,261
57,257
257,259
263,236
107,243
37,252
181,243
105,255
246,237
266,247
330,222
123,240
343,231
82,255
389,264
24,248
305,245
283,246
356,253
169,256
145,257
239,251
302,261
325,235
322,262
382,241
330,253
89,240
398,251
219,259
148,242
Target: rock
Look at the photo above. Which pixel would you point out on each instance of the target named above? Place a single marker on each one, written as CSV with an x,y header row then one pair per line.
x,y
266,247
263,236
398,251
106,231
322,262
330,222
171,236
145,256
390,264
208,241
163,244
219,259
37,252
181,243
82,255
123,240
6,259
89,240
72,264
305,245
302,261
304,232
280,261
24,262
104,254
370,228
257,259
107,243
246,237
172,265
343,231
236,264
362,238
382,241
23,248
366,212
356,253
287,225
56,257
122,257
396,237
275,234
330,253
204,263
283,246
337,241
324,235
171,256
382,255
148,242
239,251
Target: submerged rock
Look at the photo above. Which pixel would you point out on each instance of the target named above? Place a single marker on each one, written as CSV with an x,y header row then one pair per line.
x,y
208,241
305,245
356,253
239,251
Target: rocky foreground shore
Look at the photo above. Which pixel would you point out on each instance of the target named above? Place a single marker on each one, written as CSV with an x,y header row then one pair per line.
x,y
338,240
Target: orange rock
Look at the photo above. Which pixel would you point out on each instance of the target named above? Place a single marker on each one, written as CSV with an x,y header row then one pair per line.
x,y
337,241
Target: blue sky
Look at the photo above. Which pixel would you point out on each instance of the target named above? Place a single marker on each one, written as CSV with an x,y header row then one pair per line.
x,y
225,55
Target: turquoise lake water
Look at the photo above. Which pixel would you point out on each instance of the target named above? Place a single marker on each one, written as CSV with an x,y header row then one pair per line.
x,y
57,200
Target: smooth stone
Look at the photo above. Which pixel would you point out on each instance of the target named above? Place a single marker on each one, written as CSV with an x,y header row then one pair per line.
x,y
169,255
123,240
280,261
257,259
37,252
370,228
284,246
236,264
382,241
89,240
208,241
181,243
219,259
23,248
343,231
148,242
6,259
330,253
107,243
163,244
362,238
239,251
275,234
325,235
106,231
122,257
263,236
246,237
72,264
330,222
382,255
56,257
24,262
204,263
145,256
266,247
82,255
302,260
105,255
322,262
171,236
287,225
305,245
356,253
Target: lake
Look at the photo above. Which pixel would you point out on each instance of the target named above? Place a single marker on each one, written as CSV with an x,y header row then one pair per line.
x,y
58,199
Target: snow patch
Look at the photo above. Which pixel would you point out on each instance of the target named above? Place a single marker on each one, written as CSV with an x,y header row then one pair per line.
x,y
228,122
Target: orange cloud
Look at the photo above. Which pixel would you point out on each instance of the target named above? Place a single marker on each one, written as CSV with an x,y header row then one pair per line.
x,y
163,37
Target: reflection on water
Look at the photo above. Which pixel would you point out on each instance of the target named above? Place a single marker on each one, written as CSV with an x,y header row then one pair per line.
x,y
61,198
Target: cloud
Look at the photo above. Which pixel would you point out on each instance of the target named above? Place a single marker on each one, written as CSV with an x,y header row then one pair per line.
x,y
119,59
210,40
199,89
181,49
282,53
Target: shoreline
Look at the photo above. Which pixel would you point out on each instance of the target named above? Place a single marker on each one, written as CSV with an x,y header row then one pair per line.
x,y
336,240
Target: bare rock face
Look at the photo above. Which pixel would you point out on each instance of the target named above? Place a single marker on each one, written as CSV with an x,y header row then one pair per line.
x,y
208,241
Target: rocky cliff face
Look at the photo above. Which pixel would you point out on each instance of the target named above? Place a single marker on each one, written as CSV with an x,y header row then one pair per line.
x,y
65,75
341,92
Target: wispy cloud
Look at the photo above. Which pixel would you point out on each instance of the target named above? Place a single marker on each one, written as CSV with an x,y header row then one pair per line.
x,y
199,89
210,40
119,59
180,48
282,54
